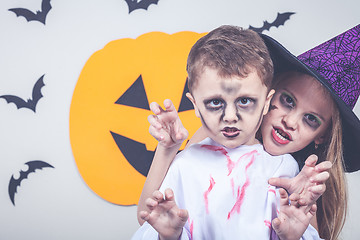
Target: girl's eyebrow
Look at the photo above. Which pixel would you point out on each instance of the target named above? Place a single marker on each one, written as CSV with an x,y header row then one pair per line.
x,y
318,115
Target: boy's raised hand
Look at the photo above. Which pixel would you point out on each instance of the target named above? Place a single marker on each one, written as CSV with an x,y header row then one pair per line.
x,y
309,183
165,125
165,216
293,219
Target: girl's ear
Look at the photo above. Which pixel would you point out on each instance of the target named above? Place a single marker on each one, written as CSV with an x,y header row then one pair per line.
x,y
192,99
319,140
268,100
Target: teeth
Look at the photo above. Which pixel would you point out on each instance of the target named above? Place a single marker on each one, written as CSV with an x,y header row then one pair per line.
x,y
279,135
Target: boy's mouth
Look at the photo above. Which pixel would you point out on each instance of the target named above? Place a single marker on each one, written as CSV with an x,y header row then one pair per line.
x,y
280,136
230,132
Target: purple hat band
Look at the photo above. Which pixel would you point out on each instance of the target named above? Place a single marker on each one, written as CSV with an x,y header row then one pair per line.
x,y
338,62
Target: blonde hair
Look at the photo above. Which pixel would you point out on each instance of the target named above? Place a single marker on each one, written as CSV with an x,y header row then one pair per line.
x,y
332,206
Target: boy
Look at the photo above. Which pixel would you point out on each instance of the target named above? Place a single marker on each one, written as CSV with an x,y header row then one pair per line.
x,y
222,181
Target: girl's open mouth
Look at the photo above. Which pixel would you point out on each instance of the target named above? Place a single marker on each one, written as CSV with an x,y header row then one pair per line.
x,y
280,136
230,132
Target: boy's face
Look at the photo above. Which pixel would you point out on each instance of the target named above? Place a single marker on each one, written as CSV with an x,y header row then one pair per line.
x,y
231,109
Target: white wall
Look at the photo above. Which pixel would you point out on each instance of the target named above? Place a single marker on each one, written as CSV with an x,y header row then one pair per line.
x,y
58,204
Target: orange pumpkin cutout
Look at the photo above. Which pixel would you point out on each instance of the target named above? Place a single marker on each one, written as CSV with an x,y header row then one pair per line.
x,y
108,116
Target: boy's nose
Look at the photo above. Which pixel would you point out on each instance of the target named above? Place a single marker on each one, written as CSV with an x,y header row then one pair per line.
x,y
230,114
291,120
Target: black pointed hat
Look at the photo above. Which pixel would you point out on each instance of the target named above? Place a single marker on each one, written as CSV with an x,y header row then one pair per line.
x,y
336,65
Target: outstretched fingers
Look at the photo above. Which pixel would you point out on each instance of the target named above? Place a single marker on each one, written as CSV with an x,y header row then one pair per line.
x,y
144,215
181,213
280,182
323,166
152,202
169,106
156,108
284,199
311,160
320,178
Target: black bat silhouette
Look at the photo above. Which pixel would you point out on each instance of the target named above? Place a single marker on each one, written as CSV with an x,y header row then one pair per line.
x,y
30,16
30,103
143,4
15,183
280,20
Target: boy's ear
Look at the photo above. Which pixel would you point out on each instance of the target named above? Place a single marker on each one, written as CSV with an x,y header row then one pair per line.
x,y
192,99
268,100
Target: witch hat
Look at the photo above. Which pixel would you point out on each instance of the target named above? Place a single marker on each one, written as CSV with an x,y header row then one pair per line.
x,y
336,65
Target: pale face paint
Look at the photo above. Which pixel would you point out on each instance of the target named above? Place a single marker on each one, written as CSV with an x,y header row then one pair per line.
x,y
230,109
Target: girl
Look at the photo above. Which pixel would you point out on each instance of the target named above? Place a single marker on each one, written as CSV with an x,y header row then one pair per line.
x,y
297,124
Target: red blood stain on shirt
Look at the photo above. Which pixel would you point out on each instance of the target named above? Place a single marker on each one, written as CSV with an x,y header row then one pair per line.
x,y
191,223
241,193
230,163
272,189
206,193
267,223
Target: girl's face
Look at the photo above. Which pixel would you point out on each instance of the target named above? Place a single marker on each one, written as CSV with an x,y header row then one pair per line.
x,y
300,112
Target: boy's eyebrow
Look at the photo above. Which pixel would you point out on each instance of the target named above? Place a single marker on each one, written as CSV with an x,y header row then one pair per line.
x,y
213,96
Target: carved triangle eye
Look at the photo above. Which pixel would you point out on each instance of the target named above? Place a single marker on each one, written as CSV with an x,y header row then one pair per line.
x,y
135,96
185,103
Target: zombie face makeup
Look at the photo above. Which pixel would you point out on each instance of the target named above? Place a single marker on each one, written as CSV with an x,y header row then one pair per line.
x,y
230,108
300,113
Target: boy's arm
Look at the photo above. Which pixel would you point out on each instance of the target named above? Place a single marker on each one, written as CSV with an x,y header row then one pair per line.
x,y
166,127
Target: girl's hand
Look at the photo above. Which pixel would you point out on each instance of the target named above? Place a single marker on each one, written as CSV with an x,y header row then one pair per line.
x,y
166,126
309,183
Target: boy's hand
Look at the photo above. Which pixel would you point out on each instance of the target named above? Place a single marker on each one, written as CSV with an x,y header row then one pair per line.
x,y
293,219
165,216
309,183
166,126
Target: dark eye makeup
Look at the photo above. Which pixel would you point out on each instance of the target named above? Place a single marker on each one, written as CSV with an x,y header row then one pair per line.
x,y
288,101
214,104
245,102
312,120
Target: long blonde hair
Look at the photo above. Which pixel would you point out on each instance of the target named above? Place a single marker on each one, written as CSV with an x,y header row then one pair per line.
x,y
332,205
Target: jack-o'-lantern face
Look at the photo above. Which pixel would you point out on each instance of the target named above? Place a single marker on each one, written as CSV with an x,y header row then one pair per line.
x,y
108,117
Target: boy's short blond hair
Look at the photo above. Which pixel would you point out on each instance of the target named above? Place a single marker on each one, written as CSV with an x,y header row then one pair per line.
x,y
232,51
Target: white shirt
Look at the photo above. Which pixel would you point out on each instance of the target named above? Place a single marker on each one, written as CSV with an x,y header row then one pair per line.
x,y
225,191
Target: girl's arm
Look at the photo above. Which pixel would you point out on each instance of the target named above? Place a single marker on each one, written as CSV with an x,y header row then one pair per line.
x,y
158,169
163,157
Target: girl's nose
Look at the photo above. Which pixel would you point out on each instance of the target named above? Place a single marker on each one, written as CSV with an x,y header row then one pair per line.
x,y
291,120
